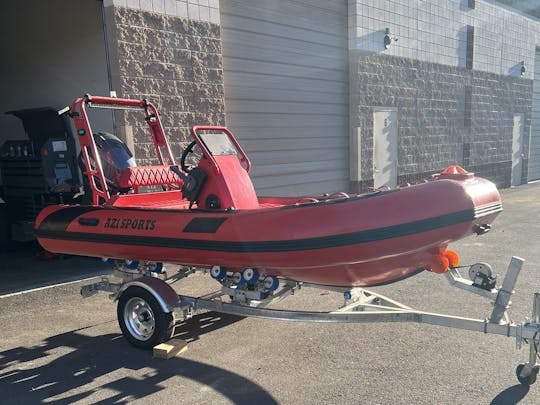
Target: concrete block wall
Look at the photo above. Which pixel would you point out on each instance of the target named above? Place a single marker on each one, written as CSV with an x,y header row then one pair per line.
x,y
447,114
171,58
431,114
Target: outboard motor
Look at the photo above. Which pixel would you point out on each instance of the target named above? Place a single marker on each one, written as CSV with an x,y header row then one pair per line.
x,y
115,158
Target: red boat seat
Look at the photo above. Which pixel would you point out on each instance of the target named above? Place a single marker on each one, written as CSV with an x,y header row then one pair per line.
x,y
140,176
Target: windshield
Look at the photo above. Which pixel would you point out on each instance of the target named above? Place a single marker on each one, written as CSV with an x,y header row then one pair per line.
x,y
218,144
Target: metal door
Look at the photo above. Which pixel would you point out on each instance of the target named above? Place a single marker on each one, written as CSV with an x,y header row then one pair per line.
x,y
385,147
517,150
285,66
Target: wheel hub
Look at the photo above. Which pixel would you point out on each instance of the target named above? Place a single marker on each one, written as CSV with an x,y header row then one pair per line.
x,y
139,318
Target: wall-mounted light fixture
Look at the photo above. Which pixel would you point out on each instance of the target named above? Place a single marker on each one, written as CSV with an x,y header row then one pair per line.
x,y
522,67
388,39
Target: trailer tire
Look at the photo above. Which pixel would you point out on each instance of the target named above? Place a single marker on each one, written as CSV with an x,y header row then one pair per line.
x,y
529,379
141,319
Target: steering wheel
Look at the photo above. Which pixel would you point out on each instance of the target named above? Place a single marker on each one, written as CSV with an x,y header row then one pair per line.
x,y
186,154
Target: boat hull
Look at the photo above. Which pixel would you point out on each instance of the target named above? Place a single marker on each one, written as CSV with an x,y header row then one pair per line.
x,y
358,241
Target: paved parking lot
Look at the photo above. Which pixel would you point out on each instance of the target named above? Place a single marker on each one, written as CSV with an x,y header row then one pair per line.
x,y
59,348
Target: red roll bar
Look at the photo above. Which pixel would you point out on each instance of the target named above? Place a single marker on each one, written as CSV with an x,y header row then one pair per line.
x,y
92,161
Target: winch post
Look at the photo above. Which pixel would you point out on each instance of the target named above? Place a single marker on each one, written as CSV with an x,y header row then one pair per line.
x,y
502,301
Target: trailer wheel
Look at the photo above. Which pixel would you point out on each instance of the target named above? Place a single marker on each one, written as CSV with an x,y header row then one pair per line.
x,y
141,319
528,379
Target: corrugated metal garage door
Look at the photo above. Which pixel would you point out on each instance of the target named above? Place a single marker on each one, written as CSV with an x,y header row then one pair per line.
x,y
286,91
534,148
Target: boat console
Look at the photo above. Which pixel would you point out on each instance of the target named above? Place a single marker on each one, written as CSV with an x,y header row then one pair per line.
x,y
227,186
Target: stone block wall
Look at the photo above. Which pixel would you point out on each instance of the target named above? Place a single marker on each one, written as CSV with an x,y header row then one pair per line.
x,y
438,123
175,63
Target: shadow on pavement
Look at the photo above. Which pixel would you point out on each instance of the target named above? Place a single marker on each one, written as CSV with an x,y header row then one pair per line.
x,y
41,374
22,269
511,395
198,325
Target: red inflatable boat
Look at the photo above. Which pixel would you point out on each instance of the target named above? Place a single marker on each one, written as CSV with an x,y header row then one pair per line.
x,y
209,215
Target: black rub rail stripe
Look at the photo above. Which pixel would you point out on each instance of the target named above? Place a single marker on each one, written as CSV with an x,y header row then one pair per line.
x,y
59,220
204,225
372,235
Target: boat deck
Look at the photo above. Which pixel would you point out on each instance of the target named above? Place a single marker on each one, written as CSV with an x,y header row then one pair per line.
x,y
172,200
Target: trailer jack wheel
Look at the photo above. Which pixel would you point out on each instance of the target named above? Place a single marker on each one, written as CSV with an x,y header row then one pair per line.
x,y
143,322
526,379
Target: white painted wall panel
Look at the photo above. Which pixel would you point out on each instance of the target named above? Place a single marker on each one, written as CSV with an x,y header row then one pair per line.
x,y
435,31
192,9
534,145
286,91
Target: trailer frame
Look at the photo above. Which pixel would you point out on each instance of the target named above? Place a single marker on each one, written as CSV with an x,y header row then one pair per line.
x,y
360,306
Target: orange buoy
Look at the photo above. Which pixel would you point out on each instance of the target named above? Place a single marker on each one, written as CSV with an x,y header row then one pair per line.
x,y
453,257
455,172
454,169
439,264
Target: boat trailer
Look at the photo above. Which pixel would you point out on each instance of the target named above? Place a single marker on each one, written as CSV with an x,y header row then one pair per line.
x,y
147,302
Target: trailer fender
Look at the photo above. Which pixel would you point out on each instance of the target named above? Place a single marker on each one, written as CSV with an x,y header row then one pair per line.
x,y
162,292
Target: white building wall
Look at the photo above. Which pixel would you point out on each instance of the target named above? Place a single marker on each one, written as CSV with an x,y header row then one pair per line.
x,y
435,32
198,10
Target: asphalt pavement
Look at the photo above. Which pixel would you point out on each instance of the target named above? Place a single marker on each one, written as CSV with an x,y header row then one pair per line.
x,y
59,348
